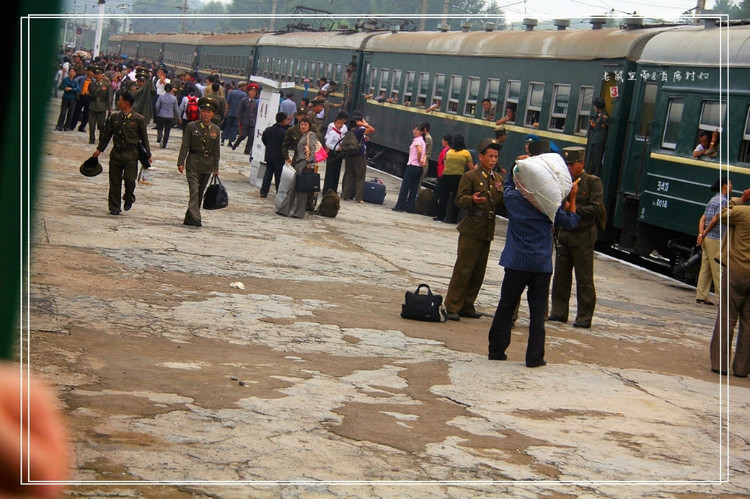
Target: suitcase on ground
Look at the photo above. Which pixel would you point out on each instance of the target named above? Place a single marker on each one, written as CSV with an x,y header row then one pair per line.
x,y
374,192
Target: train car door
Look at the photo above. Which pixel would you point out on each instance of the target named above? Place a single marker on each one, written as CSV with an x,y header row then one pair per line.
x,y
635,161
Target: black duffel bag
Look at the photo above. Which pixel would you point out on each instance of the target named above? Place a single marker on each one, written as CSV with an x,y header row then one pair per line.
x,y
422,307
307,181
215,197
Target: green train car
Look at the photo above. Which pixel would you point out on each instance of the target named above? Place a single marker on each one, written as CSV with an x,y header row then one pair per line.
x,y
686,80
661,85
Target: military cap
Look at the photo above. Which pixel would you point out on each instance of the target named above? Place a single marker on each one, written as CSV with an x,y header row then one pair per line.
x,y
97,69
91,167
538,147
485,144
207,103
252,85
574,153
317,100
301,110
532,138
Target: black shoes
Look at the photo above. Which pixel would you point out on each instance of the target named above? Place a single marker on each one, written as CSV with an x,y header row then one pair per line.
x,y
128,204
585,325
193,223
705,302
501,356
114,212
452,317
471,315
540,364
556,318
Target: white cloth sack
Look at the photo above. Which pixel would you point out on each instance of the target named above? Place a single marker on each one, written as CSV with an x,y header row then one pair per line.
x,y
544,181
286,182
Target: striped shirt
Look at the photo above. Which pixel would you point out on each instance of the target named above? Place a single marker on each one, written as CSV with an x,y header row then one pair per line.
x,y
714,206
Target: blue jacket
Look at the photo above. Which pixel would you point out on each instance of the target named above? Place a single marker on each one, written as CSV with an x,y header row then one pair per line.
x,y
528,243
75,88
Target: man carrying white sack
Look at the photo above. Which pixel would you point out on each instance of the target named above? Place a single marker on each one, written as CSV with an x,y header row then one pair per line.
x,y
575,248
527,256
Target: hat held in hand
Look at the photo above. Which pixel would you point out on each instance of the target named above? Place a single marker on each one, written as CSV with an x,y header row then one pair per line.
x,y
91,167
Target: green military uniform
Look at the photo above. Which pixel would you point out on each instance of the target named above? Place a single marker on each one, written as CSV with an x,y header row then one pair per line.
x,y
100,93
199,152
477,230
316,124
125,130
575,250
290,142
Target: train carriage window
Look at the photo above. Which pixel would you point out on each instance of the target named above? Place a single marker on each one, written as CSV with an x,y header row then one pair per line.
x,y
745,146
454,93
712,115
396,85
329,70
585,99
297,67
337,73
512,94
673,122
559,112
648,106
408,86
385,76
472,94
424,85
305,70
492,92
438,87
321,71
373,80
534,104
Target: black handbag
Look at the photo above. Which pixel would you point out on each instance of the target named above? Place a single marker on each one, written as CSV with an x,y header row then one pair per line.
x,y
143,155
307,181
422,307
216,196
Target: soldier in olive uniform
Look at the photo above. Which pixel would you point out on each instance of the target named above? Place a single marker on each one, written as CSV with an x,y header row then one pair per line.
x,y
575,248
316,124
480,193
125,129
199,157
292,137
100,92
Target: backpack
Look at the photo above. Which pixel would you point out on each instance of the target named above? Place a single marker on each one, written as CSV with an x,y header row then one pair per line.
x,y
350,144
192,112
329,204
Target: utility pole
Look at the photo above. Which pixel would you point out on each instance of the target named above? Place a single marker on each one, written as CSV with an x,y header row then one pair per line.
x,y
184,11
273,13
99,22
424,11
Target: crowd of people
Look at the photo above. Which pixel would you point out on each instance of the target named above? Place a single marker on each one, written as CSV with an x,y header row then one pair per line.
x,y
215,113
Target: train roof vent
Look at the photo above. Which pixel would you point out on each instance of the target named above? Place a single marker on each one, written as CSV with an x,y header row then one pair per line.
x,y
466,26
562,24
597,22
530,23
444,27
395,29
633,22
710,22
489,26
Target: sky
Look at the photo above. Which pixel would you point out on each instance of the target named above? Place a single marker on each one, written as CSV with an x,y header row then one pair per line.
x,y
565,9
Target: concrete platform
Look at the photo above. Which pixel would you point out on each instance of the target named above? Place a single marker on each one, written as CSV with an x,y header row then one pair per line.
x,y
264,356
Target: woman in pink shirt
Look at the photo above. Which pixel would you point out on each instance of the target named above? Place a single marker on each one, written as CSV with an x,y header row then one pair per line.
x,y
407,196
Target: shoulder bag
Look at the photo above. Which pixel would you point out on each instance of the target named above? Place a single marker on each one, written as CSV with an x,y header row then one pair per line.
x,y
215,197
422,307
